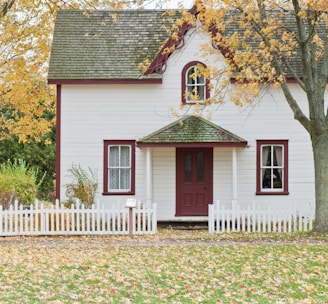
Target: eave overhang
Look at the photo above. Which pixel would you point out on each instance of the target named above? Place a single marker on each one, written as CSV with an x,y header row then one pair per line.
x,y
191,145
191,131
106,81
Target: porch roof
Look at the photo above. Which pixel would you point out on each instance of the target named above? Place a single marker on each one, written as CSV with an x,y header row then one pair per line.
x,y
192,131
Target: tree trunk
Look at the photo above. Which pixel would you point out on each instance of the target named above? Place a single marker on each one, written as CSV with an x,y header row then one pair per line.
x,y
320,156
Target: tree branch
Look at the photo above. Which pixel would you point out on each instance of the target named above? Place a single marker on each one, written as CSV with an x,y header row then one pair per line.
x,y
298,113
6,7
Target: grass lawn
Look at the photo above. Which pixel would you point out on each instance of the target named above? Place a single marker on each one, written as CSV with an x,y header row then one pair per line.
x,y
170,267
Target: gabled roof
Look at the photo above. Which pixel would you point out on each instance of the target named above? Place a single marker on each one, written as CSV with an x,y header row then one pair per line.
x,y
191,130
110,45
104,44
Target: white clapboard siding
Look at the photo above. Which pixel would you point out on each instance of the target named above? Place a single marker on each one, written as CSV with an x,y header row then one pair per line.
x,y
76,220
255,219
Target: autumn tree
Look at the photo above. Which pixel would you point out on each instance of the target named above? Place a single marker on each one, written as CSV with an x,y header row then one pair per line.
x,y
24,93
25,39
270,43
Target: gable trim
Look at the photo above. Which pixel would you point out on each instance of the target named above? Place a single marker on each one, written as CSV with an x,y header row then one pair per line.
x,y
159,63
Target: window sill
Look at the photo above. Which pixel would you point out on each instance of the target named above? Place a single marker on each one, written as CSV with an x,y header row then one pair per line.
x,y
191,103
117,193
272,193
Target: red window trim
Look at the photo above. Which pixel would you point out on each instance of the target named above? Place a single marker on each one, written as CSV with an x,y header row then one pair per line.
x,y
183,81
259,143
107,143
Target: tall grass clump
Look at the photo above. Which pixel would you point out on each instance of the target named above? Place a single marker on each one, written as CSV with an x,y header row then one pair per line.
x,y
18,181
83,186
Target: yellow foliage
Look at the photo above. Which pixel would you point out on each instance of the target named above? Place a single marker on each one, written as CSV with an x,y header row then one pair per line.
x,y
257,52
26,100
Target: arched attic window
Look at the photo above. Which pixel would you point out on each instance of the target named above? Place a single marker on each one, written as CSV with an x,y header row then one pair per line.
x,y
195,86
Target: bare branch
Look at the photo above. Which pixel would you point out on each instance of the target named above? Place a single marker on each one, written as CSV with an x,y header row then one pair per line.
x,y
6,7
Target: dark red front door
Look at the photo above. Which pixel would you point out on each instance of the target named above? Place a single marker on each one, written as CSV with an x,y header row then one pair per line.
x,y
194,181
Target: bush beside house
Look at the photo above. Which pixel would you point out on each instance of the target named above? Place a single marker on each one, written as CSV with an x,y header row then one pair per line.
x,y
83,186
18,181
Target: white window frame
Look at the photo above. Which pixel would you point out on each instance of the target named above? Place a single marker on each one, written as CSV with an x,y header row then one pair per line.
x,y
194,86
272,167
120,168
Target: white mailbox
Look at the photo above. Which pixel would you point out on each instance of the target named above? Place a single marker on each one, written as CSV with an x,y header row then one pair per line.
x,y
131,203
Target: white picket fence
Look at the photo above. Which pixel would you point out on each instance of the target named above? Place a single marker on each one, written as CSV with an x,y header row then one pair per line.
x,y
77,220
254,219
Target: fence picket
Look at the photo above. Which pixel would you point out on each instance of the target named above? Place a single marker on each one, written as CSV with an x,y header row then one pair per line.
x,y
254,219
58,220
305,226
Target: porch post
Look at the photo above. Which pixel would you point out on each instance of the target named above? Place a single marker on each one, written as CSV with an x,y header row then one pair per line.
x,y
149,176
234,176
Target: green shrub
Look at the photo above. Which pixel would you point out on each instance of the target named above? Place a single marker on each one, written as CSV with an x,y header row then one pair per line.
x,y
18,181
39,155
84,185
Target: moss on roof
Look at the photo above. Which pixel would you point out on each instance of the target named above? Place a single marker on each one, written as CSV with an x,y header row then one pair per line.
x,y
191,129
108,44
104,44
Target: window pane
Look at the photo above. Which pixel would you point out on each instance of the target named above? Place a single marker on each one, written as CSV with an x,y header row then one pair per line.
x,y
277,178
277,156
114,156
200,167
266,156
190,76
125,179
266,178
195,92
200,79
125,156
188,168
114,179
189,92
201,92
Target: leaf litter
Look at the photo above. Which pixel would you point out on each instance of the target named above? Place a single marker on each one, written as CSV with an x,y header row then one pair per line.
x,y
169,267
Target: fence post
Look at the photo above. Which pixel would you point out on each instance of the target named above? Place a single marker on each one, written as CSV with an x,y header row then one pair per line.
x,y
154,219
131,203
210,218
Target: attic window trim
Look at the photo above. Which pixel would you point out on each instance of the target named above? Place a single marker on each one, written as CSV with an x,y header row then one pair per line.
x,y
184,85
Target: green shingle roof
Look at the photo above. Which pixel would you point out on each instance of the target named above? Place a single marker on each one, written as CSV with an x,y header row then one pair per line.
x,y
108,44
104,44
191,129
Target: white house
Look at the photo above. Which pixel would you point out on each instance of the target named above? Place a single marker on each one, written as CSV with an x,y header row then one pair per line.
x,y
113,118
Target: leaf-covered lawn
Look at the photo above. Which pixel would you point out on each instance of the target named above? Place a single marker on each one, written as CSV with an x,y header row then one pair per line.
x,y
171,267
